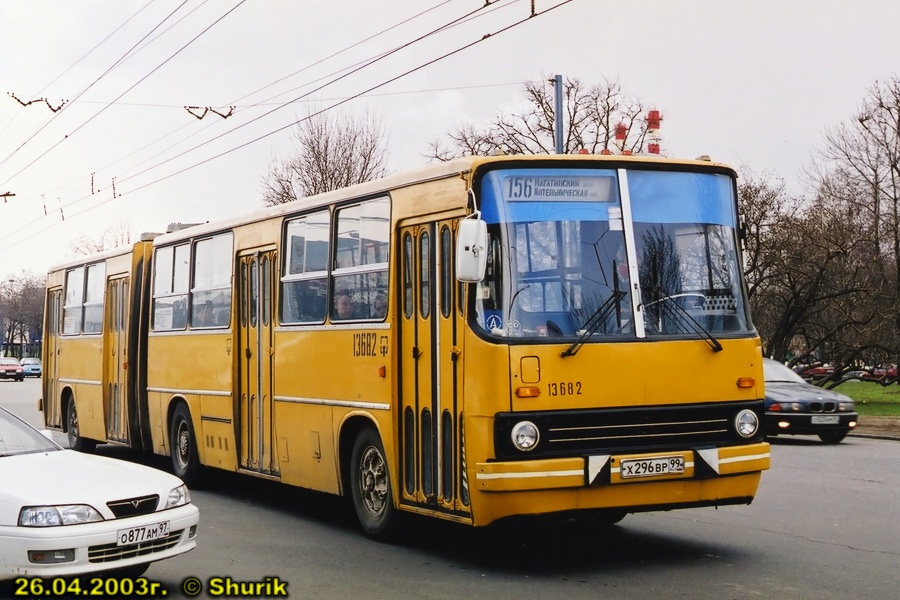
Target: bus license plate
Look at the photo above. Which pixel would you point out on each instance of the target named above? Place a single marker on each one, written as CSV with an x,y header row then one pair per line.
x,y
826,420
651,467
136,535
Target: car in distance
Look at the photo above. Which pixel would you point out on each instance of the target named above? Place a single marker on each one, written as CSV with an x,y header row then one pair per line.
x,y
31,366
64,513
11,369
796,407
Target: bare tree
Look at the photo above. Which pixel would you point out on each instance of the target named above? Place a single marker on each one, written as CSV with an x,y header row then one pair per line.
x,y
813,291
592,112
115,236
860,164
329,151
764,204
21,312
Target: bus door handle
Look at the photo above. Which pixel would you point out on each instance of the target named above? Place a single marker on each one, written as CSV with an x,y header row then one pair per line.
x,y
416,353
248,353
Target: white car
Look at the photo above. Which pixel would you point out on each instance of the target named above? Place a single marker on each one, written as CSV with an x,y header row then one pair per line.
x,y
66,513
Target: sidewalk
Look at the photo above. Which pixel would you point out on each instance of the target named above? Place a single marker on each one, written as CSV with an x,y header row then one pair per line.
x,y
886,428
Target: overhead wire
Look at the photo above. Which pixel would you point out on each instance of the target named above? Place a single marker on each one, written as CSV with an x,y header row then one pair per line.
x,y
86,54
280,129
235,102
343,50
128,55
309,93
361,65
336,104
137,83
78,95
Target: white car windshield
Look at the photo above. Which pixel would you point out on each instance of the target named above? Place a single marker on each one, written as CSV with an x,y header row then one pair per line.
x,y
17,437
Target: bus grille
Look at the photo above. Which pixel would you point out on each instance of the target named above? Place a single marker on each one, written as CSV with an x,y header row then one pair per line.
x,y
635,429
112,552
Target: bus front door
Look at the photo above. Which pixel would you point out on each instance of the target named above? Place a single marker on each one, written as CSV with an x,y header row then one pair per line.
x,y
116,347
256,339
431,370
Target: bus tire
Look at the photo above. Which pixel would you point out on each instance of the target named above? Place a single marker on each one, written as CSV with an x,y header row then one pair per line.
x,y
370,486
185,460
76,442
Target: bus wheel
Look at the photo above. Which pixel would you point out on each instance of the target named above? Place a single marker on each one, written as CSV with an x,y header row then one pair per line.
x,y
185,460
370,485
76,442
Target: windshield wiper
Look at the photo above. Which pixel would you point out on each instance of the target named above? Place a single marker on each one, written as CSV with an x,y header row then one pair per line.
x,y
685,321
594,322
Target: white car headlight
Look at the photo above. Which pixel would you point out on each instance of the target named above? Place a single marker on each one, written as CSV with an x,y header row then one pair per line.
x,y
178,497
52,516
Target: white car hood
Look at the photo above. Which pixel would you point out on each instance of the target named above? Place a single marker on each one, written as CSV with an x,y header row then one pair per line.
x,y
69,477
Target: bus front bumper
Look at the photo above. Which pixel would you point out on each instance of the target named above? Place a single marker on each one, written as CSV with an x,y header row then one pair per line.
x,y
620,469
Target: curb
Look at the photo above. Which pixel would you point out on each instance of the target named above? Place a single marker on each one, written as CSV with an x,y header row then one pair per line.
x,y
876,436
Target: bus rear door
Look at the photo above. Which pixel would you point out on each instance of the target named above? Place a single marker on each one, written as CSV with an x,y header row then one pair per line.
x,y
52,413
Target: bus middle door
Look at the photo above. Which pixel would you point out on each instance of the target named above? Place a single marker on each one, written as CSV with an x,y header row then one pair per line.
x,y
116,345
256,338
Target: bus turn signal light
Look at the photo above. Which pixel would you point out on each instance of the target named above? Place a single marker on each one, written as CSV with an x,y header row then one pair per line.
x,y
746,382
528,392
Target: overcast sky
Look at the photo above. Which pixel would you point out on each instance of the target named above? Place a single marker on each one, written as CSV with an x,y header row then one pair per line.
x,y
753,83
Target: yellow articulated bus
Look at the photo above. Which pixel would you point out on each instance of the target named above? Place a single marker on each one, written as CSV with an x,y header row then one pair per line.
x,y
479,339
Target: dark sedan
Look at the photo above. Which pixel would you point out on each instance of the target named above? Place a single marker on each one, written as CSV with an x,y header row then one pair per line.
x,y
796,407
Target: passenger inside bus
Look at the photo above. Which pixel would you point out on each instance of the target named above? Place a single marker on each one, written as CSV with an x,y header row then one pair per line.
x,y
344,307
380,308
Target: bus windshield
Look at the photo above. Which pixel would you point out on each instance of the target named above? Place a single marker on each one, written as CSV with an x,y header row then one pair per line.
x,y
609,254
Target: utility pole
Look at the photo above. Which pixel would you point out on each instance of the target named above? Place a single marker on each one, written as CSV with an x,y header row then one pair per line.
x,y
6,195
558,120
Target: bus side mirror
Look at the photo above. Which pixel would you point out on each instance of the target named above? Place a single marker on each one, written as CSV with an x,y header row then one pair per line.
x,y
471,250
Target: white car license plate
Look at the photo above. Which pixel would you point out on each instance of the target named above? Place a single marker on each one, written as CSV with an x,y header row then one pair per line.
x,y
136,535
826,419
651,467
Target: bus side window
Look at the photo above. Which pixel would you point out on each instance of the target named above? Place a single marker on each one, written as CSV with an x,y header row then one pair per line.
x,y
305,277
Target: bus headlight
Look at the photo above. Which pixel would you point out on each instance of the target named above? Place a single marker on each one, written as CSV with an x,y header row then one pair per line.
x,y
525,436
746,423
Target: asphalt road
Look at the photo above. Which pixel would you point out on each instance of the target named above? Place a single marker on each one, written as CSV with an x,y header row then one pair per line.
x,y
824,525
